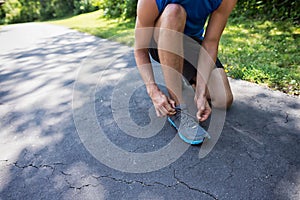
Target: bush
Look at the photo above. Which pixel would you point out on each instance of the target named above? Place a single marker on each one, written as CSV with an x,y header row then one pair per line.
x,y
271,10
17,11
62,7
119,8
130,9
46,9
2,15
30,11
14,11
84,6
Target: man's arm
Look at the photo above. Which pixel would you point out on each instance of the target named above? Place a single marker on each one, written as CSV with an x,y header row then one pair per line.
x,y
214,30
215,27
147,13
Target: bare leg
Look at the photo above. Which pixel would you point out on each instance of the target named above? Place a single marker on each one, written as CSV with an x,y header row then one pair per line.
x,y
171,22
219,89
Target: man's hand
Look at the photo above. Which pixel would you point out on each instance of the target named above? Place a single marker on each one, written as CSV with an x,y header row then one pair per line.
x,y
163,105
203,107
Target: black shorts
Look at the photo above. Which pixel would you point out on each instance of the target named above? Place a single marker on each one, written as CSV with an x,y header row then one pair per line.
x,y
189,68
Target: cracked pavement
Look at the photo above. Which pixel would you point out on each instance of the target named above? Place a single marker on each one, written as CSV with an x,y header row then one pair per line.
x,y
43,157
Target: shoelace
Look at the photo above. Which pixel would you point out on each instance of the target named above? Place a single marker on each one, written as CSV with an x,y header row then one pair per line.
x,y
191,118
185,112
187,118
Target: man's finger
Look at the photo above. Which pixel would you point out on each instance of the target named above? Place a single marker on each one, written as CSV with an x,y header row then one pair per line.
x,y
205,116
157,113
198,115
170,109
201,114
172,102
164,112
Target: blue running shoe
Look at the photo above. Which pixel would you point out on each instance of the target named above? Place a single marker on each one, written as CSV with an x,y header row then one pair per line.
x,y
189,130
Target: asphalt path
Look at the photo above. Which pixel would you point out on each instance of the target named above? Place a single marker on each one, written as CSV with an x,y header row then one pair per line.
x,y
65,131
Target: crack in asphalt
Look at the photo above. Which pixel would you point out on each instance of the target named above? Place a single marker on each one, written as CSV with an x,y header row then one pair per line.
x,y
53,168
26,166
286,118
231,173
178,182
129,182
80,187
36,166
50,166
192,188
64,173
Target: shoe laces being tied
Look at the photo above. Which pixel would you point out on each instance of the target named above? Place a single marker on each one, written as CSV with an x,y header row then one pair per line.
x,y
188,120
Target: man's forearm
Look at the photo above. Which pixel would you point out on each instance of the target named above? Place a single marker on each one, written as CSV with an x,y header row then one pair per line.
x,y
145,68
206,64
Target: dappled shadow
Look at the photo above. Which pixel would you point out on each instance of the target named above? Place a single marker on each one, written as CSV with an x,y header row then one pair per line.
x,y
42,155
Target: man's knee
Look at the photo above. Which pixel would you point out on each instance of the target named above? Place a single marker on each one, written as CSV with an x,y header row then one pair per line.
x,y
174,14
175,11
173,18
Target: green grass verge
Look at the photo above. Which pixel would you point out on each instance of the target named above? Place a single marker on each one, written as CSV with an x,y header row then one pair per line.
x,y
262,52
94,24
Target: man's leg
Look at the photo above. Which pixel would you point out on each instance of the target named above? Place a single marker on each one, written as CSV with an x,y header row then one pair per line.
x,y
168,36
219,89
171,21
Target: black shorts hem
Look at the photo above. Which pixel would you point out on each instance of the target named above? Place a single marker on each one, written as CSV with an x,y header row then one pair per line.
x,y
189,71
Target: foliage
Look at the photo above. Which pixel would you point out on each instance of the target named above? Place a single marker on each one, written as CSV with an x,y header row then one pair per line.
x,y
269,9
119,8
62,7
84,6
47,10
14,11
112,9
29,10
130,9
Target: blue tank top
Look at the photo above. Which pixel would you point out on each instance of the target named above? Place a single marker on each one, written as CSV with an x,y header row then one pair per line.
x,y
197,13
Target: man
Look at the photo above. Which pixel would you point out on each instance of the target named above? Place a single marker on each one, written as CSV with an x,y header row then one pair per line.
x,y
170,17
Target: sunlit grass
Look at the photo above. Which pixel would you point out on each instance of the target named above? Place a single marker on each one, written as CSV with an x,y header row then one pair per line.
x,y
263,52
94,24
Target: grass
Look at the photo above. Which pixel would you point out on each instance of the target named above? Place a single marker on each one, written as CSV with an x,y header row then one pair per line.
x,y
263,52
94,24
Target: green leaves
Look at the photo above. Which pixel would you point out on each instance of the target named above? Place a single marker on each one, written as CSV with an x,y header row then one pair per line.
x,y
119,8
15,11
269,9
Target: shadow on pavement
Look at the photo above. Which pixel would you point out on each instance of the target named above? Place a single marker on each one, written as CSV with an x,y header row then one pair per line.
x,y
42,156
